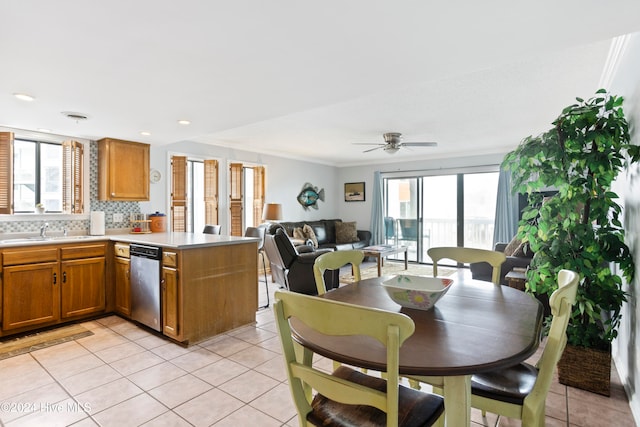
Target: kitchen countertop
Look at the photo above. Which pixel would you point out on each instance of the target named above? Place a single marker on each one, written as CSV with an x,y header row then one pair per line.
x,y
175,240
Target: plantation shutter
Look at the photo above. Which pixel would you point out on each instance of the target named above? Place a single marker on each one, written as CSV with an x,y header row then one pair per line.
x,y
235,198
178,193
258,194
72,168
211,192
6,172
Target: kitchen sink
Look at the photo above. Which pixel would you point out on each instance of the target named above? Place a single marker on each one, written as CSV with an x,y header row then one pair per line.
x,y
68,237
43,239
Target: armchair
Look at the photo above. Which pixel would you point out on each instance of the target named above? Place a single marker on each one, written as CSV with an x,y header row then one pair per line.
x,y
293,269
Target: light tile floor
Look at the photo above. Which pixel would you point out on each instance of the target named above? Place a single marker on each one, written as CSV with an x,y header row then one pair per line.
x,y
124,375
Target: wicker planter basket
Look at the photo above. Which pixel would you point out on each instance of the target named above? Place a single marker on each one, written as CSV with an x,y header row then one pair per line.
x,y
586,368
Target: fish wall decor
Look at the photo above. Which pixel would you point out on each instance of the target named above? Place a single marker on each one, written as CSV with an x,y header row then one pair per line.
x,y
309,196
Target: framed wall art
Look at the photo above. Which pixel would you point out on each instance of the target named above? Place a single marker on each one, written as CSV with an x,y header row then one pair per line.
x,y
354,192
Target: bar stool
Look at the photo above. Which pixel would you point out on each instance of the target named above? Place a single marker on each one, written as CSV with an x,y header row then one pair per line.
x,y
211,229
259,232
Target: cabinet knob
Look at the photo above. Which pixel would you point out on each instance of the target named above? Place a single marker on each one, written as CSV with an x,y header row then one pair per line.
x,y
55,278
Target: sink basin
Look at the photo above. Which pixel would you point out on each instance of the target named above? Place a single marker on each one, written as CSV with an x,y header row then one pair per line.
x,y
68,237
43,239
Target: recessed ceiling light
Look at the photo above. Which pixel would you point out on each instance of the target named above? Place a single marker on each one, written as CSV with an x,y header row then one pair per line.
x,y
24,96
145,133
184,122
44,130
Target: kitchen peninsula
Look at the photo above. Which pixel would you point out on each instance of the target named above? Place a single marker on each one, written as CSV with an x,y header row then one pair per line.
x,y
208,282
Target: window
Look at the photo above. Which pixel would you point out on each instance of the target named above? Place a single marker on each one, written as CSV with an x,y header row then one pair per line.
x,y
440,210
194,193
246,196
36,172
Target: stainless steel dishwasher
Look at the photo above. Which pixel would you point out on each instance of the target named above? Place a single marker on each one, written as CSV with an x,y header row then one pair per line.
x,y
145,285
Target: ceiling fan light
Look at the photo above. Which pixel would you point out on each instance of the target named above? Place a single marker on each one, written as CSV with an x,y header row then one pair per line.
x,y
391,149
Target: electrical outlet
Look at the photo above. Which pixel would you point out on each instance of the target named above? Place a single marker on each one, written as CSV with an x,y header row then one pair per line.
x,y
118,217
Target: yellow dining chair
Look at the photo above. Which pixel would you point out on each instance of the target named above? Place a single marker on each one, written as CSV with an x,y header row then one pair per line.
x,y
334,261
520,391
348,397
468,255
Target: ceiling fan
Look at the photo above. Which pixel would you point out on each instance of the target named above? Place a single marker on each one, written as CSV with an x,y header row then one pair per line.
x,y
393,142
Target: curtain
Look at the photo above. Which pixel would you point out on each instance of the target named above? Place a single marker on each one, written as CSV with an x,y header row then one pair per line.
x,y
507,210
377,211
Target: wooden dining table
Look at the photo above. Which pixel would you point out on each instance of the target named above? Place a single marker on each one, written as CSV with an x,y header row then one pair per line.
x,y
477,326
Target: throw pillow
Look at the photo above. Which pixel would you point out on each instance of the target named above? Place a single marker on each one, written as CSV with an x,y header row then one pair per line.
x,y
309,234
298,233
519,252
512,246
346,232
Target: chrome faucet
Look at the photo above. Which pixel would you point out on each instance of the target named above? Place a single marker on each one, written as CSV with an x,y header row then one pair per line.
x,y
43,229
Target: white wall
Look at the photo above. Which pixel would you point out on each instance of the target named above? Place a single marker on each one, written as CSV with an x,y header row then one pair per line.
x,y
626,82
285,179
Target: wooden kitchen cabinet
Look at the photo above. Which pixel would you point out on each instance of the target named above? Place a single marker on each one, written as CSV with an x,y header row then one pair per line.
x,y
31,293
83,279
123,170
171,303
45,285
122,279
171,296
82,287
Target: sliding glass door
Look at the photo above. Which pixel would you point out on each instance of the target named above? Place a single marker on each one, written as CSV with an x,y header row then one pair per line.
x,y
441,210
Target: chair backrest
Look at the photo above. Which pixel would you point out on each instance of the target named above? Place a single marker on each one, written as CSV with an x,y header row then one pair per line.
x,y
561,303
256,232
211,229
333,261
408,228
389,227
468,255
389,328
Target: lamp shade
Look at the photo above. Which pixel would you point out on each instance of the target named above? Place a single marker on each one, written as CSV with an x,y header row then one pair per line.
x,y
272,212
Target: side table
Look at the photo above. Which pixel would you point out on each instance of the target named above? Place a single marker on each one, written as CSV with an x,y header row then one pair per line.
x,y
516,278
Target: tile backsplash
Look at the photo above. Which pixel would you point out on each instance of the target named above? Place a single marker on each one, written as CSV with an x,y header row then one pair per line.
x,y
81,226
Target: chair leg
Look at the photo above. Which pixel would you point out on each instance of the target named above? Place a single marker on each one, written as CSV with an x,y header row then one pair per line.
x,y
266,283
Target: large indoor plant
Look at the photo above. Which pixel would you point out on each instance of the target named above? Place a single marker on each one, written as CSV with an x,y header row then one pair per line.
x,y
578,228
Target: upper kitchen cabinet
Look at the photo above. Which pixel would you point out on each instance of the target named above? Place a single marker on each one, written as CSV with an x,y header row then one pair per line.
x,y
123,170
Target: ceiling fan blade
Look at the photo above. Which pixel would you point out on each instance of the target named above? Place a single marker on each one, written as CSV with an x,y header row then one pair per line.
x,y
371,149
368,143
420,144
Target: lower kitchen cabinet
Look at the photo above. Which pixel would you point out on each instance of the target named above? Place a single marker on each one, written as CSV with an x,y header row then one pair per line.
x,y
171,303
45,285
31,295
82,287
123,286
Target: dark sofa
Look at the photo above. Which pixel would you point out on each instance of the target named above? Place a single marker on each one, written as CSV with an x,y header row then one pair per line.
x,y
483,271
325,232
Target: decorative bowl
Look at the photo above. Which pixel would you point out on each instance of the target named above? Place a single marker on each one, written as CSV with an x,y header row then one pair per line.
x,y
417,292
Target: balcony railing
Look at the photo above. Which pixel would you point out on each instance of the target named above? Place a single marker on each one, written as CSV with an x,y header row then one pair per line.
x,y
478,233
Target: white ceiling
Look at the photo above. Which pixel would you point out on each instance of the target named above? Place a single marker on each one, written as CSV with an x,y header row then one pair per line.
x,y
305,79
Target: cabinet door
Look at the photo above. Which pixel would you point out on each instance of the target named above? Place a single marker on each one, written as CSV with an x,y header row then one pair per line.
x,y
123,170
31,295
83,286
171,303
123,286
